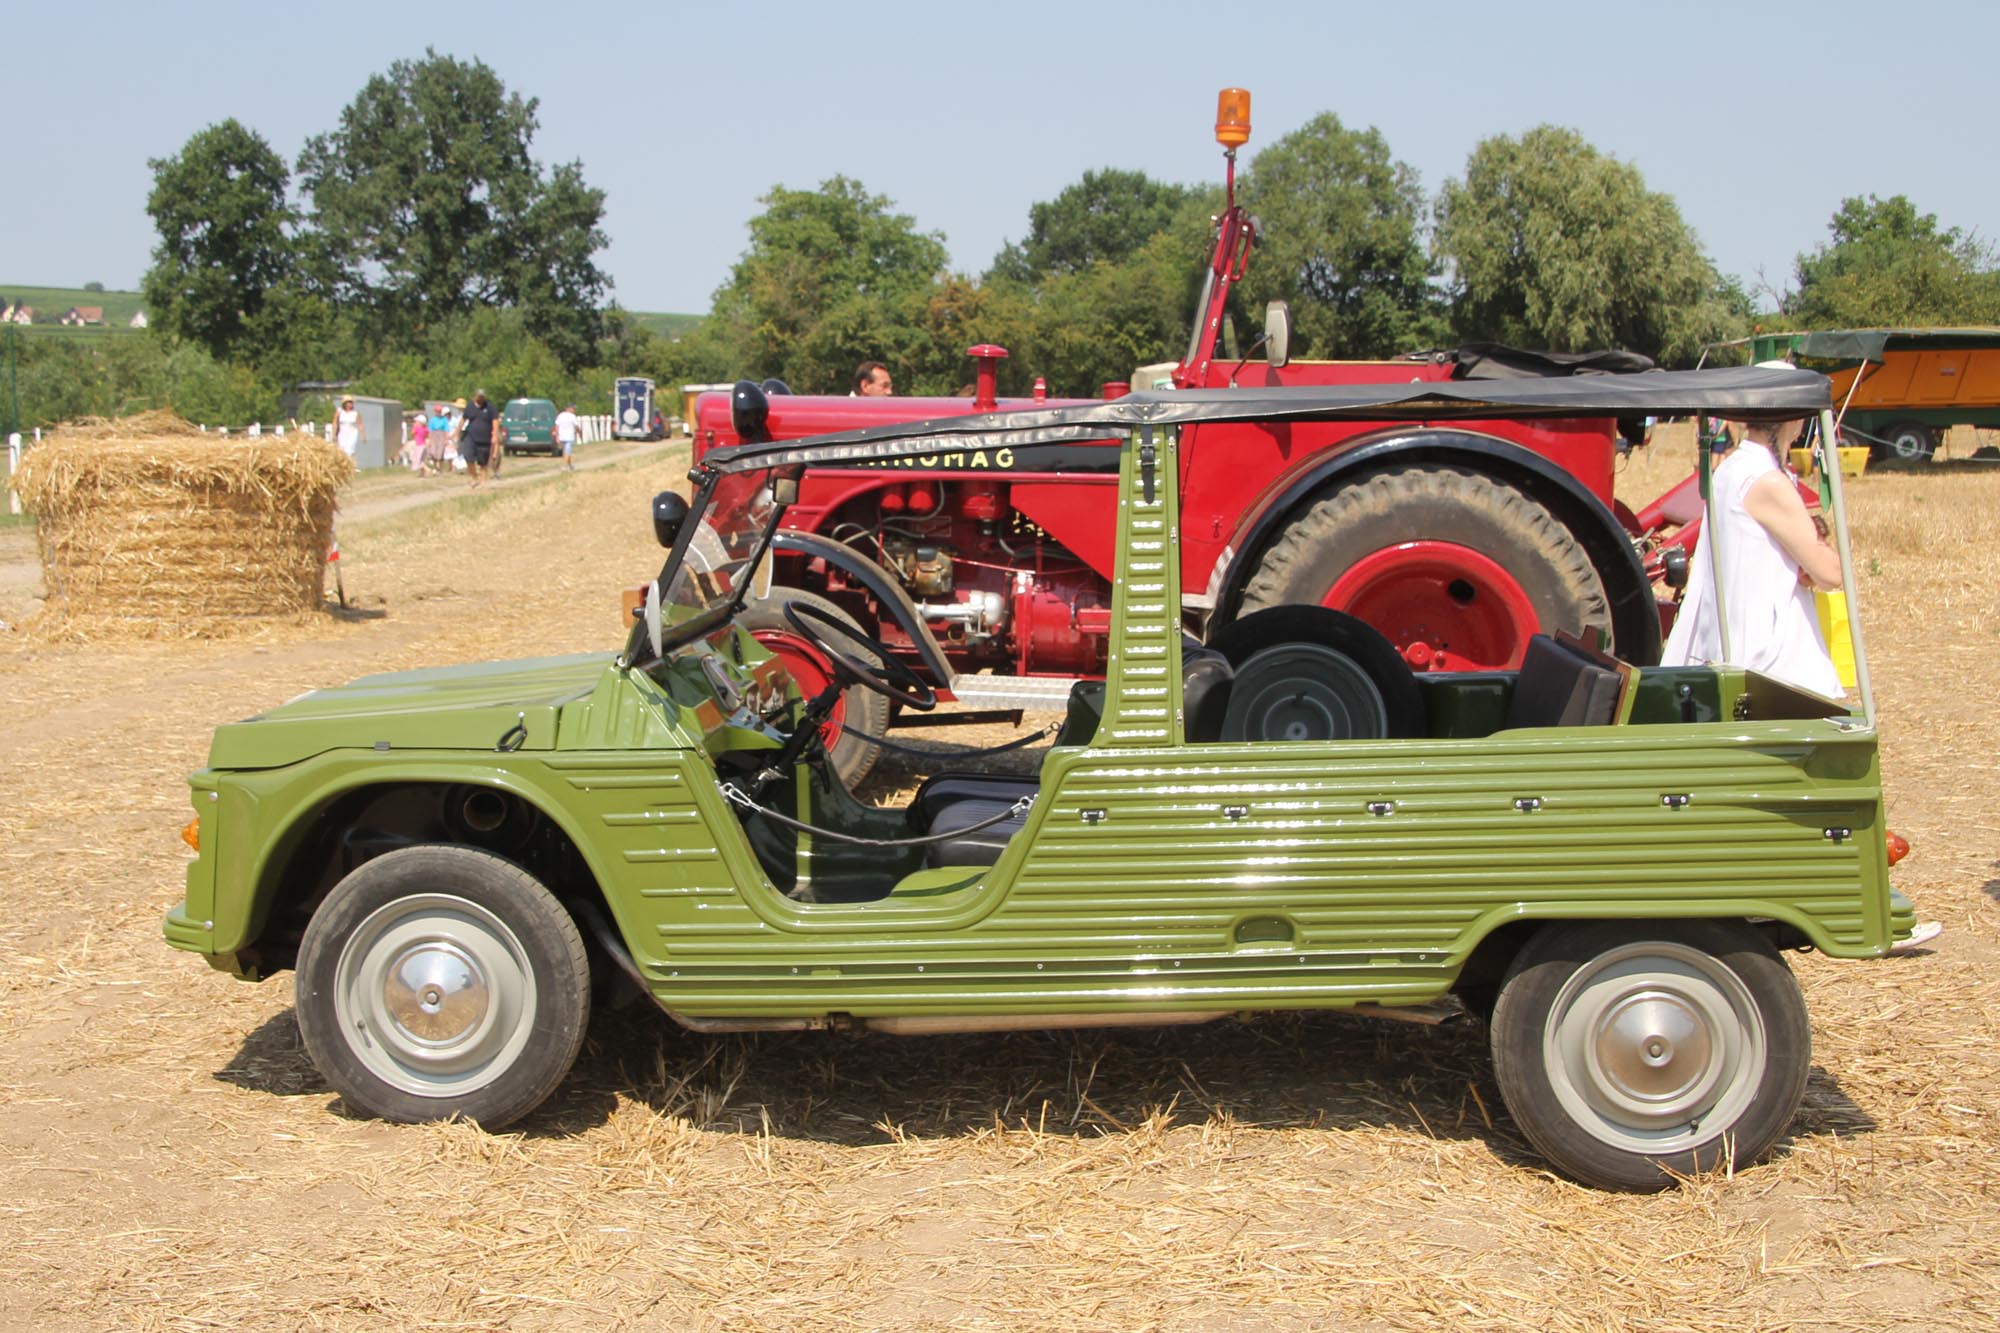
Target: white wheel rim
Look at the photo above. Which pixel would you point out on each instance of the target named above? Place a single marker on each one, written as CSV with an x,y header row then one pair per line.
x,y
1654,1047
435,995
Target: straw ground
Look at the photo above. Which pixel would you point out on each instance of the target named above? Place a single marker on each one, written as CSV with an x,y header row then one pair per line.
x,y
170,1160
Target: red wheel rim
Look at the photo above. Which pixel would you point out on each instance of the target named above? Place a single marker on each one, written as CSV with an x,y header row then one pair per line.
x,y
811,669
1446,607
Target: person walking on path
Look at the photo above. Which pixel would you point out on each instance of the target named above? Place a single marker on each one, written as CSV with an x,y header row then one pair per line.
x,y
347,427
566,428
1770,558
438,440
420,437
476,438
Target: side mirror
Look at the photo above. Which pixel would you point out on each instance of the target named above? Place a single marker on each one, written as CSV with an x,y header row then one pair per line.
x,y
1674,567
750,412
669,512
785,490
1278,335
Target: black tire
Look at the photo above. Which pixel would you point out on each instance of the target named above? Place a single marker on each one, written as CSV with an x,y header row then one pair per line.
x,y
861,708
439,981
1323,656
1909,442
1435,502
1628,1050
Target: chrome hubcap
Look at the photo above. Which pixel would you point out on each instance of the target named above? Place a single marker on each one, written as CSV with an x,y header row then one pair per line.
x,y
1654,1047
434,992
435,995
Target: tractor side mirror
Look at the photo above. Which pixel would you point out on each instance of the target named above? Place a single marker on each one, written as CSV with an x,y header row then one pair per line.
x,y
1278,335
669,512
1674,567
784,490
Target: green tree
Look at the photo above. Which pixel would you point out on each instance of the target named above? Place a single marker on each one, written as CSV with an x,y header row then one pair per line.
x,y
1552,244
821,284
428,202
220,208
1341,242
1104,218
1887,264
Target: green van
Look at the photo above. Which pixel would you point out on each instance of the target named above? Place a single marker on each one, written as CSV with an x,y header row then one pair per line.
x,y
530,424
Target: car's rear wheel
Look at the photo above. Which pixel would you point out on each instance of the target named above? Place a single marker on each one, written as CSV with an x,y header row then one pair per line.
x,y
1631,1051
441,981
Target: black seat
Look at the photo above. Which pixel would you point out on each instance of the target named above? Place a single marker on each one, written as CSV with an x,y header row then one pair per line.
x,y
1564,684
950,802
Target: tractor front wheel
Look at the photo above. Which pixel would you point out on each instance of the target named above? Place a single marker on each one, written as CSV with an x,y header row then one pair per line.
x,y
1457,569
860,709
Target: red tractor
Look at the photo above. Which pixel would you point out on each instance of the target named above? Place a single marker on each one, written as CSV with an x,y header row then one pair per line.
x,y
1457,539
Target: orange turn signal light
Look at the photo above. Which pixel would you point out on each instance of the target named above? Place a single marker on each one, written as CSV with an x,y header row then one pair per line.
x,y
191,835
1232,117
1899,846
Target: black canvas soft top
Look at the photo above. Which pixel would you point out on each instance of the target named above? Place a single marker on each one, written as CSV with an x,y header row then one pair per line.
x,y
1744,392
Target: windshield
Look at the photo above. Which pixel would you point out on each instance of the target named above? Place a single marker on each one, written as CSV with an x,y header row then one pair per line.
x,y
724,535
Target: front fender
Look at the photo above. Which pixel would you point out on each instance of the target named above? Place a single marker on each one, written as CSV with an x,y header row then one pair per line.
x,y
265,818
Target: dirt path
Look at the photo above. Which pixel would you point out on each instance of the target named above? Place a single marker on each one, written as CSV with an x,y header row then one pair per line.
x,y
170,1160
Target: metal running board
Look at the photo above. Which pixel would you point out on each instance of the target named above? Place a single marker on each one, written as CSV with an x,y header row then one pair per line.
x,y
1047,694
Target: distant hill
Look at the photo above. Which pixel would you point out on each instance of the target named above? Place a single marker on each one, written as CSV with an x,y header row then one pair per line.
x,y
50,302
667,326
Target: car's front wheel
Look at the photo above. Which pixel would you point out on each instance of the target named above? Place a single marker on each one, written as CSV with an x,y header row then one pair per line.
x,y
1628,1051
441,981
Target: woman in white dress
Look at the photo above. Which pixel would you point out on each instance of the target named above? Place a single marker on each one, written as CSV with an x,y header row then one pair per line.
x,y
1771,558
347,427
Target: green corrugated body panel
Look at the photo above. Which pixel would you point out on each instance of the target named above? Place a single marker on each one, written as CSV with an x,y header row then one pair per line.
x,y
1308,898
1143,663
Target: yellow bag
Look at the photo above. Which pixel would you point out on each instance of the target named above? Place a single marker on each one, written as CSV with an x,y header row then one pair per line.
x,y
1833,628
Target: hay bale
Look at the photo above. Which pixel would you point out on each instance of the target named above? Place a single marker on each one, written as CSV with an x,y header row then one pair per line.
x,y
149,527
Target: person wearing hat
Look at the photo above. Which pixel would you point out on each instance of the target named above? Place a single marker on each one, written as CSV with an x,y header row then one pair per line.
x,y
566,428
476,437
347,426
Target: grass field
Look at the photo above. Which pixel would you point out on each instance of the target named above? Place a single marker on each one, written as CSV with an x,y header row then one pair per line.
x,y
51,302
667,326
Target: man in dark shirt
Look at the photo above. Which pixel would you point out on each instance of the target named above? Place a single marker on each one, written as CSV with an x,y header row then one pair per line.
x,y
477,438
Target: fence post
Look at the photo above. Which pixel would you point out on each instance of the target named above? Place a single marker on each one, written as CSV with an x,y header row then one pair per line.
x,y
13,466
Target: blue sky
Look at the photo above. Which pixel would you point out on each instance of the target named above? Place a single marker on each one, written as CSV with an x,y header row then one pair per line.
x,y
1757,119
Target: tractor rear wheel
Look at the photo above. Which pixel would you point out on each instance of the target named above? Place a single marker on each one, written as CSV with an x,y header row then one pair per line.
x,y
859,708
1457,569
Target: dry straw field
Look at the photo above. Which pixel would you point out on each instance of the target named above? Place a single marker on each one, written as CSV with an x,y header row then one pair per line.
x,y
170,1160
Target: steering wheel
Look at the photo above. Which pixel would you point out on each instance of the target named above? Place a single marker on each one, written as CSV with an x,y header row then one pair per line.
x,y
890,677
